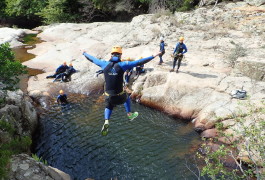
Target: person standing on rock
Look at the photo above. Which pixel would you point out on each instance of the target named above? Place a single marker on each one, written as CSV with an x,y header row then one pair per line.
x,y
178,53
61,69
62,98
162,50
113,72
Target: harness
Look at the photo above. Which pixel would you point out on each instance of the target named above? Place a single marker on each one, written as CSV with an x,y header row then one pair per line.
x,y
107,94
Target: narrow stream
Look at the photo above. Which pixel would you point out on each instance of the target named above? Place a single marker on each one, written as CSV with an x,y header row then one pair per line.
x,y
153,146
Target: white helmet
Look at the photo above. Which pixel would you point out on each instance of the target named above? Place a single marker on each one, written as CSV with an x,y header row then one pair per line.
x,y
161,38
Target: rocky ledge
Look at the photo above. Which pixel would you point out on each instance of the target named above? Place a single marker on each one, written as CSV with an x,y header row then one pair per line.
x,y
23,167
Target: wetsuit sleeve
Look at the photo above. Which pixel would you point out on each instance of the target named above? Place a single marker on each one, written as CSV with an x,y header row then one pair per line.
x,y
177,46
59,68
73,70
131,64
162,47
96,61
185,49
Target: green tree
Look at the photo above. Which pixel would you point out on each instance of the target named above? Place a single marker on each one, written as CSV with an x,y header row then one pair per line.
x,y
2,8
10,69
58,11
24,8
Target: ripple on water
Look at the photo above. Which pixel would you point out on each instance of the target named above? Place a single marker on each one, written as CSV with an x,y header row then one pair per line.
x,y
153,146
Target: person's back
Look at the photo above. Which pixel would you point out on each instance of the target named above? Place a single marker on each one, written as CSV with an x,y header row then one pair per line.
x,y
113,74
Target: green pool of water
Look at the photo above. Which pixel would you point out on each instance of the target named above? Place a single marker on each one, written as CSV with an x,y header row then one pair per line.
x,y
153,146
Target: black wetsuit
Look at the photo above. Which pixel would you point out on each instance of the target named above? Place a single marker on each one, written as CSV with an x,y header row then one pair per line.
x,y
113,72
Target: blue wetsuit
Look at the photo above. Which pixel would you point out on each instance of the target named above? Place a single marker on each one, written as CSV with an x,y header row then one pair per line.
x,y
113,72
59,70
68,73
62,99
180,48
162,50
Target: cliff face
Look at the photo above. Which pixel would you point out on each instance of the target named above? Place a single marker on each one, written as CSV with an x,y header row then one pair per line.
x,y
17,110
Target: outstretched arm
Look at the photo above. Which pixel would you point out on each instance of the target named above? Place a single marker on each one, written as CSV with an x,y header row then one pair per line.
x,y
96,61
131,64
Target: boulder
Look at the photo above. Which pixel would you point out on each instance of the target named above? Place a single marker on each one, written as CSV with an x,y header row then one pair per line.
x,y
23,167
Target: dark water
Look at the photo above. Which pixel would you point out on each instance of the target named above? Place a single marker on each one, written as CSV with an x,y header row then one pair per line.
x,y
153,146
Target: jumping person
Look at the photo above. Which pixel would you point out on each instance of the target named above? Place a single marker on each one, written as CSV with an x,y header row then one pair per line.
x,y
178,53
61,69
62,98
113,72
162,50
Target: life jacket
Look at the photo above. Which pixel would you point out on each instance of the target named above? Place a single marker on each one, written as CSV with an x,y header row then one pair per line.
x,y
113,74
180,48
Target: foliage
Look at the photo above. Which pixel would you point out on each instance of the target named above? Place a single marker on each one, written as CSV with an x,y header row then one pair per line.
x,y
249,146
39,159
13,146
185,6
2,8
58,11
26,8
235,53
10,69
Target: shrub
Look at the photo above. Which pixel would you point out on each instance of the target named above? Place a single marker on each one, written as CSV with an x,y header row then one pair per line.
x,y
59,11
235,53
10,69
13,146
248,147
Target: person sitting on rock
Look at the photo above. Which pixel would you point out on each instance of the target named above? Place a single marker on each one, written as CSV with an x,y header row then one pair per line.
x,y
62,68
128,73
113,72
162,50
66,76
178,53
140,69
62,98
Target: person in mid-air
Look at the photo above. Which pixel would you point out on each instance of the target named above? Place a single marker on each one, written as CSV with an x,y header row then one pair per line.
x,y
113,72
61,69
62,98
178,53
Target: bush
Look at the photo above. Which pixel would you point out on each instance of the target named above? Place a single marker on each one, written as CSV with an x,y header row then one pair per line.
x,y
235,53
13,146
60,11
247,148
10,69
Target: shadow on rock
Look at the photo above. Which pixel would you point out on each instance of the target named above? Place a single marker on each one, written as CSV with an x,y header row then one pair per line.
x,y
198,75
